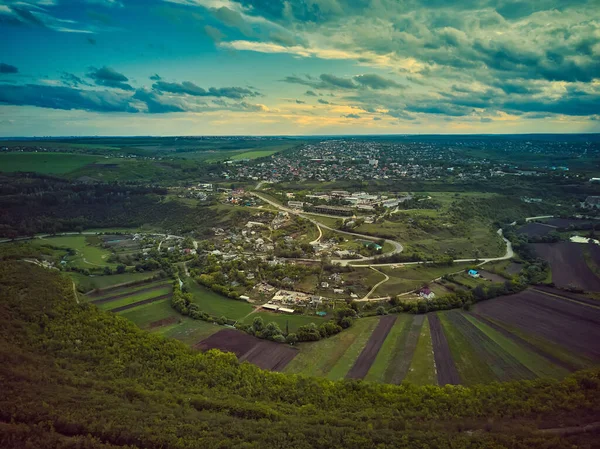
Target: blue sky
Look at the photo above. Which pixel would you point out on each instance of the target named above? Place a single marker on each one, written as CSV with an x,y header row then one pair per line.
x,y
193,67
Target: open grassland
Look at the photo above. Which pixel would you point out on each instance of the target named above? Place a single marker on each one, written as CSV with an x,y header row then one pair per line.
x,y
319,358
45,163
218,305
422,368
87,255
255,154
411,277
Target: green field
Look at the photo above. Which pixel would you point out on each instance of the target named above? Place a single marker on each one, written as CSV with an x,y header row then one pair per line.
x,y
136,297
88,283
46,163
411,277
391,349
187,330
319,358
283,320
422,367
218,305
144,315
87,255
253,154
534,362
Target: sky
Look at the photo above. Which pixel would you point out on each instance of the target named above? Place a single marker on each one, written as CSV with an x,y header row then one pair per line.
x,y
298,67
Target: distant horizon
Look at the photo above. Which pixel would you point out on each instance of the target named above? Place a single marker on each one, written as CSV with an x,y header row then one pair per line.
x,y
8,138
298,68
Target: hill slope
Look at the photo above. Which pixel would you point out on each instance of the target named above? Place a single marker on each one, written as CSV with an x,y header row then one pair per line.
x,y
73,376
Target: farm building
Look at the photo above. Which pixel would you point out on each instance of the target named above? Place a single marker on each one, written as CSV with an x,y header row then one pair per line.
x,y
244,298
296,204
270,307
473,273
426,293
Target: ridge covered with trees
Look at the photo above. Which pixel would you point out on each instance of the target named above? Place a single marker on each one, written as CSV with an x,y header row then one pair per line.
x,y
74,376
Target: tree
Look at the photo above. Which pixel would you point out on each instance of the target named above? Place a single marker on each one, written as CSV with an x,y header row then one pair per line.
x,y
258,324
292,339
381,310
121,269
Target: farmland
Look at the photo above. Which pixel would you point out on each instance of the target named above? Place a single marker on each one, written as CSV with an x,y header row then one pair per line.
x,y
265,354
46,163
523,336
408,278
569,268
85,250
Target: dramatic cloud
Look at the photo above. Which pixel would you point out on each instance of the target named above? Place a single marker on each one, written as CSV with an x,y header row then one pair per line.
x,y
57,97
189,88
320,100
155,77
352,116
73,80
106,76
310,93
376,82
7,68
333,82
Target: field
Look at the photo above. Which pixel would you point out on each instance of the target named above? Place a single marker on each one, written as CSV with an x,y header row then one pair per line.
x,y
88,283
263,353
535,229
411,277
87,253
46,163
569,268
218,305
253,154
523,336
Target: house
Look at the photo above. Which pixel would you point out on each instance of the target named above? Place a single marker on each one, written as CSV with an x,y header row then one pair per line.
x,y
473,273
592,202
244,298
338,290
426,293
296,204
324,284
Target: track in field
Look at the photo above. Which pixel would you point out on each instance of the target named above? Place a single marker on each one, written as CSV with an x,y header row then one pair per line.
x,y
410,344
444,363
369,352
141,303
263,353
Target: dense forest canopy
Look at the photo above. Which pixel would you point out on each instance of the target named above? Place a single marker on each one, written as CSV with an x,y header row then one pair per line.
x,y
73,376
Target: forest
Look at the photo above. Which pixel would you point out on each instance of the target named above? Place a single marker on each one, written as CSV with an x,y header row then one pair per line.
x,y
75,376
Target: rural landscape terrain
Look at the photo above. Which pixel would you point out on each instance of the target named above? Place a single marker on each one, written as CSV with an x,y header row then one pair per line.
x,y
331,259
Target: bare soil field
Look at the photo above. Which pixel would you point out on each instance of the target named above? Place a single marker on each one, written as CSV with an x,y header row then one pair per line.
x,y
569,269
401,369
445,367
572,325
125,294
491,276
141,303
568,295
535,229
563,223
163,322
522,342
504,366
265,354
369,352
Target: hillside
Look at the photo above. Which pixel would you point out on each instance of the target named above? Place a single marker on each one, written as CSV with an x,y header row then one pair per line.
x,y
74,376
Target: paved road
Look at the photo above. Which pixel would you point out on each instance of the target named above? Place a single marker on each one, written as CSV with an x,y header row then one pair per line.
x,y
398,248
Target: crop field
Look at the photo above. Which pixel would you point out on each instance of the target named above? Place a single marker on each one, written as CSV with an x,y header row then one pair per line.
x,y
369,352
45,163
422,369
263,353
185,329
88,283
125,298
569,268
145,315
319,358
